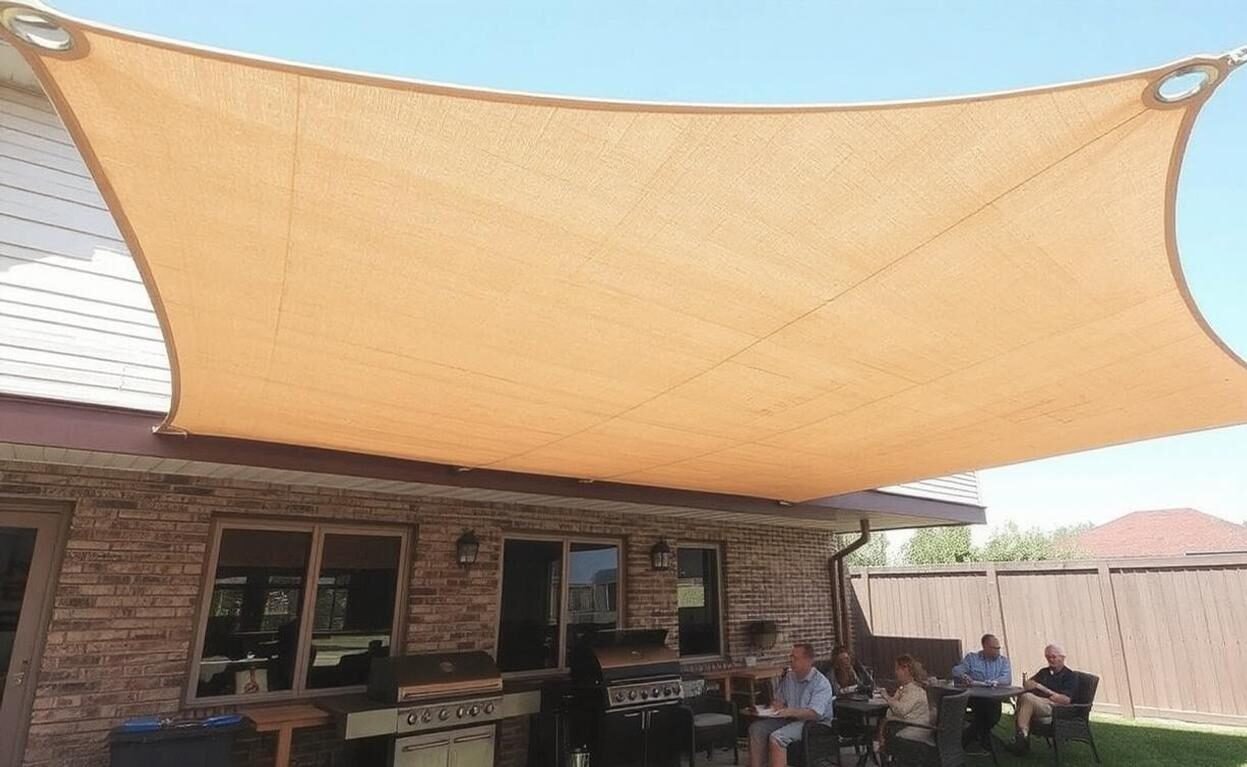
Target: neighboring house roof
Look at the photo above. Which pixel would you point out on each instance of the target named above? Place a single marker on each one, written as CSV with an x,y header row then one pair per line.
x,y
1162,532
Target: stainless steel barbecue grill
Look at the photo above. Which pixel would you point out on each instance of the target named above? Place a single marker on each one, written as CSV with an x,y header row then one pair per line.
x,y
437,708
439,690
627,685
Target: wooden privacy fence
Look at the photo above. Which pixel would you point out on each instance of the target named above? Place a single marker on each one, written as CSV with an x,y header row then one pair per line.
x,y
1166,636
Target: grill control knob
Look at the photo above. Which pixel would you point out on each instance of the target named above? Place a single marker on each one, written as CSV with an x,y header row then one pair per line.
x,y
444,714
619,696
475,710
411,718
644,694
669,690
427,716
489,708
654,692
632,694
462,712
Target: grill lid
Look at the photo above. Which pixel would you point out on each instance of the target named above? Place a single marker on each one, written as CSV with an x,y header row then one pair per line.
x,y
432,675
624,654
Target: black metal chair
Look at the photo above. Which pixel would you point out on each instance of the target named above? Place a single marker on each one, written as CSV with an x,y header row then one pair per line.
x,y
1071,723
712,722
819,746
938,745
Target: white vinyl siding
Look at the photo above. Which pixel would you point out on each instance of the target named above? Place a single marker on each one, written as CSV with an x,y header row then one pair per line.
x,y
76,322
955,488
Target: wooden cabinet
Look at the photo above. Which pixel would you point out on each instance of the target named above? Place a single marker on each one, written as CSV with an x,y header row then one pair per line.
x,y
470,747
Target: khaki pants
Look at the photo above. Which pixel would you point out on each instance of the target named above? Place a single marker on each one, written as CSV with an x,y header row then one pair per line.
x,y
1042,707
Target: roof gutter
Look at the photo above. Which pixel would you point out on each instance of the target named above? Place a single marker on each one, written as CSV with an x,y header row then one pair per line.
x,y
839,586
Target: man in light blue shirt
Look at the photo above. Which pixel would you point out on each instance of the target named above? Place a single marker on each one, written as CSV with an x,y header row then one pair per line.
x,y
986,667
802,695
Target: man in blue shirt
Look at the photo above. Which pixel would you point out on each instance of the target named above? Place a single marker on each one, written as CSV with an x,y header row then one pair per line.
x,y
985,667
802,695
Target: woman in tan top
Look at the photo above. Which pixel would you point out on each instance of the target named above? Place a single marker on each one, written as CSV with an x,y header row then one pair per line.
x,y
909,702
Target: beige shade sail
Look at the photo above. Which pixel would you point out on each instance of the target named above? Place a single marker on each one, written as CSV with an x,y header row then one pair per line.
x,y
786,302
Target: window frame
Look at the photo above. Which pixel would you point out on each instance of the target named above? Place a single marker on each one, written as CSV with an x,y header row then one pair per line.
x,y
317,529
717,548
564,598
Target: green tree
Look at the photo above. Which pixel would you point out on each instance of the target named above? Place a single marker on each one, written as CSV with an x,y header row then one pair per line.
x,y
1009,543
873,554
938,545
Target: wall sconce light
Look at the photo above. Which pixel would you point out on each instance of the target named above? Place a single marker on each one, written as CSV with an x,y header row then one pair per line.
x,y
467,548
763,634
661,557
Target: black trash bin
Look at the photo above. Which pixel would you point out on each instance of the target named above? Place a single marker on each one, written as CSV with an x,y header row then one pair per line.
x,y
152,742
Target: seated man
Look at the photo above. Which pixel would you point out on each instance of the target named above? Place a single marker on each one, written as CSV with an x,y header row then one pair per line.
x,y
1053,685
987,666
802,695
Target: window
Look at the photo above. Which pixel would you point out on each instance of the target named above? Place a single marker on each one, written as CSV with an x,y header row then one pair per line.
x,y
296,608
699,600
554,593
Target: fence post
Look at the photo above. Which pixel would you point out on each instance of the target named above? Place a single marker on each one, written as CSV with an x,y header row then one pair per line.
x,y
1116,645
995,605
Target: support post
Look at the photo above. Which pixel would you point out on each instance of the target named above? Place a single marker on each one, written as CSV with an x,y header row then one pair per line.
x,y
1116,645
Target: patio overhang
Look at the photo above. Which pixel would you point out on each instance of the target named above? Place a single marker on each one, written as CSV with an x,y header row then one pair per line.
x,y
110,438
773,302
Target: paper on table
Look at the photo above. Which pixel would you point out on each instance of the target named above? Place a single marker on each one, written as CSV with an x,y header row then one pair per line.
x,y
766,711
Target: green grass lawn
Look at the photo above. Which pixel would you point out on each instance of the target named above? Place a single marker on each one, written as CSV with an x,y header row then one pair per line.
x,y
1141,743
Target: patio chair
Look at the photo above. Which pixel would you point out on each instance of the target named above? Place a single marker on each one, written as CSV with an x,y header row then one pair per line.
x,y
819,746
1071,723
938,745
712,722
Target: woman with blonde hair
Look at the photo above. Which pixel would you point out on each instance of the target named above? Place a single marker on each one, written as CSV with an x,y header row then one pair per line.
x,y
909,702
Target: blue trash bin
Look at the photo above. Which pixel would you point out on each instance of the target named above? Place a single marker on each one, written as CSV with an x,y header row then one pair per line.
x,y
155,742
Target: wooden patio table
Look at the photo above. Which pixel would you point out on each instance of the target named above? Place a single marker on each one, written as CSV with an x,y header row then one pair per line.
x,y
284,720
751,675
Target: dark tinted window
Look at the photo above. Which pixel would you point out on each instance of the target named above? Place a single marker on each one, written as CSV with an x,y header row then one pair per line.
x,y
528,633
592,590
697,593
252,635
354,607
256,632
17,548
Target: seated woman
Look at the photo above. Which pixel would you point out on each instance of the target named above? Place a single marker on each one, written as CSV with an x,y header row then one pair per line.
x,y
909,702
846,674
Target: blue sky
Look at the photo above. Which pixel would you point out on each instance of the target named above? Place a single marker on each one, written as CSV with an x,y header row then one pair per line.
x,y
772,51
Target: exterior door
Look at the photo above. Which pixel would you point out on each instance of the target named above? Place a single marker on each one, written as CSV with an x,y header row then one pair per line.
x,y
27,546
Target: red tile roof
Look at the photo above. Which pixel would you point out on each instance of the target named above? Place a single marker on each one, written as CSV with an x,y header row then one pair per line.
x,y
1163,532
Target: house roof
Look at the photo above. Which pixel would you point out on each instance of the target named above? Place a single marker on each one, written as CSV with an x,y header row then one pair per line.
x,y
780,302
1162,532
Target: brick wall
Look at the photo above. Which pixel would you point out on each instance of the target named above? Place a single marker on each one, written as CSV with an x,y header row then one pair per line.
x,y
127,593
